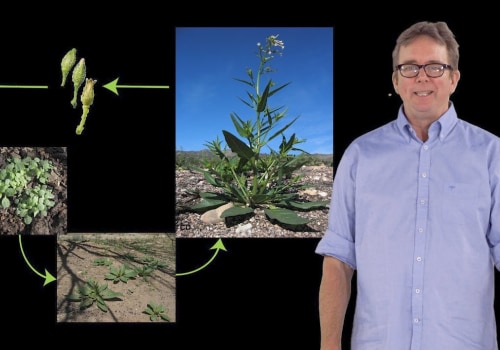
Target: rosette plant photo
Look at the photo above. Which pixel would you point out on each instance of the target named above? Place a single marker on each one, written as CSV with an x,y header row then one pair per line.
x,y
255,164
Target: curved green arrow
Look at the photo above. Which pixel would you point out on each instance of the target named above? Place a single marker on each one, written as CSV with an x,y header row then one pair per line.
x,y
48,277
217,246
113,86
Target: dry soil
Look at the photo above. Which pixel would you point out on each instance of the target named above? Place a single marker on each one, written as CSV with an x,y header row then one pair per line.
x,y
77,262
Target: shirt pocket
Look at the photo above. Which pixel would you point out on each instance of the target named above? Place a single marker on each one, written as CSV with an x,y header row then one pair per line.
x,y
459,203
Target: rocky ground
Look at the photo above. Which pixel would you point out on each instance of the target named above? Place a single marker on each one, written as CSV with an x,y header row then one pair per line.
x,y
190,224
55,222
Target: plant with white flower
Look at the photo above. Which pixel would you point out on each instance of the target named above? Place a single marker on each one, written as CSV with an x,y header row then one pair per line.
x,y
273,41
249,178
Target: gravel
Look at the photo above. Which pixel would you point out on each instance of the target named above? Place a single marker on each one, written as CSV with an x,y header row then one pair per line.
x,y
257,225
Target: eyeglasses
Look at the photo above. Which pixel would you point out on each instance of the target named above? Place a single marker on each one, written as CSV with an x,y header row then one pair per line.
x,y
433,70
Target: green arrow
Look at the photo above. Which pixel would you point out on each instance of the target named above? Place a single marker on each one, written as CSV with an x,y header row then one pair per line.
x,y
217,246
48,277
24,86
113,86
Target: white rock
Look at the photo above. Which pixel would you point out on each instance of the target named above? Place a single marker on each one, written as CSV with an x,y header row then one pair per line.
x,y
213,216
244,228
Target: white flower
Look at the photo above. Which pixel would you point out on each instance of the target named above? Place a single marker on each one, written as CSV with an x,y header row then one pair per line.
x,y
275,42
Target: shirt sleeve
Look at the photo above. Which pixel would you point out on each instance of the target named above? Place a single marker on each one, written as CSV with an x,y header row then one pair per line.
x,y
338,240
494,229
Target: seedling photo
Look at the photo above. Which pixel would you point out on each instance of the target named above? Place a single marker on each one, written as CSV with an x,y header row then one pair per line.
x,y
33,190
119,277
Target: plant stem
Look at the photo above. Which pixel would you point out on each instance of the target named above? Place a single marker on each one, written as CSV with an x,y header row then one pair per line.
x,y
79,128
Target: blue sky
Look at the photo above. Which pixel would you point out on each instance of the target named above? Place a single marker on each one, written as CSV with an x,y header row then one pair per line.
x,y
209,58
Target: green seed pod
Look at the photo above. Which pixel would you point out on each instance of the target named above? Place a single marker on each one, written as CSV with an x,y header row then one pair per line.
x,y
67,64
78,77
87,99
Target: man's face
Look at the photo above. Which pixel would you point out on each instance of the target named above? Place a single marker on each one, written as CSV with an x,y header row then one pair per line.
x,y
424,97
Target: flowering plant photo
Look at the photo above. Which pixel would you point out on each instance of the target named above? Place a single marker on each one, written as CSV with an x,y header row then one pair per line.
x,y
249,173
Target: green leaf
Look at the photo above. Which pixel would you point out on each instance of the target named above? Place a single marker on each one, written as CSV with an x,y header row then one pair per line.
x,y
86,303
74,297
109,294
239,125
261,198
279,132
238,146
130,273
285,146
160,309
306,205
213,195
239,194
84,290
263,99
236,211
22,212
285,216
99,299
210,179
5,202
252,99
278,89
244,81
103,307
283,198
208,204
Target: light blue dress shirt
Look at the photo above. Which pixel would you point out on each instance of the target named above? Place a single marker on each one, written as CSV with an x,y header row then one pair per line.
x,y
420,223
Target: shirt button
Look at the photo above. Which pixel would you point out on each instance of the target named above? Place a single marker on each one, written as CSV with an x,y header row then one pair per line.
x,y
416,320
417,291
420,229
426,147
422,202
424,174
419,258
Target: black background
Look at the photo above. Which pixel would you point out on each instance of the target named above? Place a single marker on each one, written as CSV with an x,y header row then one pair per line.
x,y
260,293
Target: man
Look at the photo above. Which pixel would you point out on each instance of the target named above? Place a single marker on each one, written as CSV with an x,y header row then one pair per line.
x,y
415,211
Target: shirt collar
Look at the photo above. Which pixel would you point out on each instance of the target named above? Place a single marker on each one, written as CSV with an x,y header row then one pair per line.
x,y
445,123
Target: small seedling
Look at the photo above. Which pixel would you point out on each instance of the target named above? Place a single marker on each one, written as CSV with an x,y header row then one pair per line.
x,y
129,256
102,262
144,270
123,274
23,183
92,292
156,312
153,263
